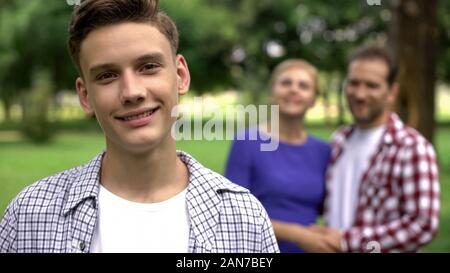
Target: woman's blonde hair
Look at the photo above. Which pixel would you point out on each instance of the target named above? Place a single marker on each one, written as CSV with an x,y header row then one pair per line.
x,y
295,63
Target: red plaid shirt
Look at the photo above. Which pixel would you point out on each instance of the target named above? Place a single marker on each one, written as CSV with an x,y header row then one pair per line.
x,y
399,199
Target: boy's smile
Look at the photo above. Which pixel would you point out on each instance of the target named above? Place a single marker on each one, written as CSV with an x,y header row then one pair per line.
x,y
139,117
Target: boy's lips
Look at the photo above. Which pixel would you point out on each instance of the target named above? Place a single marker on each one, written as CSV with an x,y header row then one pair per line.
x,y
138,118
136,113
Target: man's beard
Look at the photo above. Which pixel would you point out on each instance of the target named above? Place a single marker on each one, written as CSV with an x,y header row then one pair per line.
x,y
371,117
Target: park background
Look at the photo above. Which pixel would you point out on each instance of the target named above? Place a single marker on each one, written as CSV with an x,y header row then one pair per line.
x,y
231,47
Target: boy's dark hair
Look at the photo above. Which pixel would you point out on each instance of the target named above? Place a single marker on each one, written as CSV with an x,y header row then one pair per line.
x,y
93,14
376,52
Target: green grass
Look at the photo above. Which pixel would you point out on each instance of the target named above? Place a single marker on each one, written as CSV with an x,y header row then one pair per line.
x,y
22,163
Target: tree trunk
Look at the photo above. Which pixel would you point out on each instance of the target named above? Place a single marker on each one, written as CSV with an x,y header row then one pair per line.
x,y
414,42
6,109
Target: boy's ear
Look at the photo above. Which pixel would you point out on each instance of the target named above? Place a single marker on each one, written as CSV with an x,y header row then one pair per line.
x,y
183,75
83,97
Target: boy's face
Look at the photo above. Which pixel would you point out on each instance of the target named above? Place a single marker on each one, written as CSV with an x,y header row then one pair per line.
x,y
131,82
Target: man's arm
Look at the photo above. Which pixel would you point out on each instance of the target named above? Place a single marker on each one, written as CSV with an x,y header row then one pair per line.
x,y
419,206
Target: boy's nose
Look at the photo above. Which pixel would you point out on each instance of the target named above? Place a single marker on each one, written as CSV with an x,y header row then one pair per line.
x,y
131,90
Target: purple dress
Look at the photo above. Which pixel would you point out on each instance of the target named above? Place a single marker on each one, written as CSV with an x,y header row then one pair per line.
x,y
289,182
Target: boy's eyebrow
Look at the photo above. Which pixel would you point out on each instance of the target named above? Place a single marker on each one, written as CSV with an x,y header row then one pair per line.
x,y
158,57
100,67
155,57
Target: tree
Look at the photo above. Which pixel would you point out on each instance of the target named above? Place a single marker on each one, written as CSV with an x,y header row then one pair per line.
x,y
207,34
414,39
322,32
236,43
32,38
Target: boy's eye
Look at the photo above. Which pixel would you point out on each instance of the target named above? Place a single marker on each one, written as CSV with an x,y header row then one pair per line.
x,y
148,67
106,76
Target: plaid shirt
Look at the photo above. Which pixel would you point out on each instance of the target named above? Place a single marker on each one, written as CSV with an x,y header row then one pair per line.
x,y
398,204
59,214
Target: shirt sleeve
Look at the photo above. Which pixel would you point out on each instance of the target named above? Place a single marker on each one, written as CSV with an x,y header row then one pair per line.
x,y
419,208
8,230
268,240
238,169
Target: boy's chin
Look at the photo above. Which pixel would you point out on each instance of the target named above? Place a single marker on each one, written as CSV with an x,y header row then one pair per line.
x,y
141,148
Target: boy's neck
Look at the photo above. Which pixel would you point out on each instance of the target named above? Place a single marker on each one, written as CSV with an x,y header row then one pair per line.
x,y
145,178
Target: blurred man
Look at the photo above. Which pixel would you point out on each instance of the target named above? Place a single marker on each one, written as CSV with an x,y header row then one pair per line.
x,y
140,195
382,182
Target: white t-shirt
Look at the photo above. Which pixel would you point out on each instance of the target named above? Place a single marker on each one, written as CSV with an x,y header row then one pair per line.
x,y
347,174
125,226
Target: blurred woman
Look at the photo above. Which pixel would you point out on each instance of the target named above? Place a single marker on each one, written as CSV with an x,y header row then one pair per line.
x,y
290,181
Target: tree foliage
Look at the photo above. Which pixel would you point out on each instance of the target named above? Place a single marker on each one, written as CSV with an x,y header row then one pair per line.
x,y
228,43
33,38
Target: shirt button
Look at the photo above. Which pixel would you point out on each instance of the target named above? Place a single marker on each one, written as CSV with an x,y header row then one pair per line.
x,y
82,246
